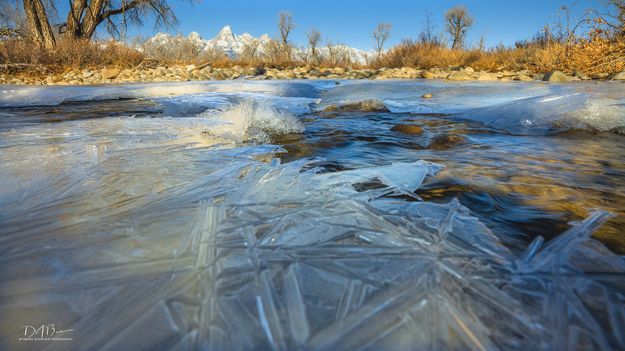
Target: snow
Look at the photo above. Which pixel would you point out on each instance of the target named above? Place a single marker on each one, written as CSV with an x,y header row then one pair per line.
x,y
233,45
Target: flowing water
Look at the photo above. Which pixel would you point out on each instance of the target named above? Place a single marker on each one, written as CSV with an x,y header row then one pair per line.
x,y
279,215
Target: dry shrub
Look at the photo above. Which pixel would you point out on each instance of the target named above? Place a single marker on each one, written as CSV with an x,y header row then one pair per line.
x,y
70,54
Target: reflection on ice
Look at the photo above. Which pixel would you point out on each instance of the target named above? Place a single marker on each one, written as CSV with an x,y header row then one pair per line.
x,y
166,233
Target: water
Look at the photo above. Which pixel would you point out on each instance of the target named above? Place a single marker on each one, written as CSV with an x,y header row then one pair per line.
x,y
238,215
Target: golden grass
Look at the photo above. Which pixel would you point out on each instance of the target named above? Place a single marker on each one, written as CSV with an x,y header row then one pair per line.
x,y
70,54
598,54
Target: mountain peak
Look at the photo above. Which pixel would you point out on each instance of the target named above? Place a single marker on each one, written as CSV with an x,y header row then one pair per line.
x,y
225,32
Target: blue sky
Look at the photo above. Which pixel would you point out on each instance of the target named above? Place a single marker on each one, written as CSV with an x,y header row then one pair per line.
x,y
352,21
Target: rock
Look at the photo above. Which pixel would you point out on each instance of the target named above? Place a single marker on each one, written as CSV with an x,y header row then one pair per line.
x,y
87,74
407,129
427,74
218,75
555,76
50,80
371,105
339,70
360,74
581,75
619,76
427,96
469,70
446,141
315,73
486,76
459,75
254,71
110,73
524,78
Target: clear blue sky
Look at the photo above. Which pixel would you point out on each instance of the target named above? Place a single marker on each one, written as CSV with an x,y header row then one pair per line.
x,y
351,21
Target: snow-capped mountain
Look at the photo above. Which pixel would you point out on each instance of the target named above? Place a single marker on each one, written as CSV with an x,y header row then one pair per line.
x,y
233,45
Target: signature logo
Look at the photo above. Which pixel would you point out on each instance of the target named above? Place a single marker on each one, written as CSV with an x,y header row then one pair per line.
x,y
44,332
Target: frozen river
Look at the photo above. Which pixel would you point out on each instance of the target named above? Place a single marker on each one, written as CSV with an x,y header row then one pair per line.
x,y
255,215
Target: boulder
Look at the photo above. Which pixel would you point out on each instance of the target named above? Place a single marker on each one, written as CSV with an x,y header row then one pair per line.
x,y
407,129
427,74
459,75
619,76
555,76
110,73
581,75
315,73
524,78
486,76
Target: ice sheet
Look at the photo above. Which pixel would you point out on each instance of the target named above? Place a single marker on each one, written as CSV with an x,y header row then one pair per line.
x,y
149,233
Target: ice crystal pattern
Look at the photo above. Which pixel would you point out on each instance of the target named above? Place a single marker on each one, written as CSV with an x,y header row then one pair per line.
x,y
231,253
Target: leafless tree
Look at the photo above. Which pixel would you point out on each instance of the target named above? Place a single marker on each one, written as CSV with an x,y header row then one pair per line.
x,y
615,17
38,24
250,49
457,22
380,35
285,26
314,37
85,16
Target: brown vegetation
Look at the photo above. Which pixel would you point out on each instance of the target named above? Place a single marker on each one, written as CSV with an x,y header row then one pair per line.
x,y
599,51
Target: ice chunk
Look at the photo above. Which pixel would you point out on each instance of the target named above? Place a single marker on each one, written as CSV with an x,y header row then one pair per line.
x,y
256,121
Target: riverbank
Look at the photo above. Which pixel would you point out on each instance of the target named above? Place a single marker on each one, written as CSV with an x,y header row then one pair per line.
x,y
38,75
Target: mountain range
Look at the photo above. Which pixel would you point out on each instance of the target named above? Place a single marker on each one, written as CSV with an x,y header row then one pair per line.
x,y
233,45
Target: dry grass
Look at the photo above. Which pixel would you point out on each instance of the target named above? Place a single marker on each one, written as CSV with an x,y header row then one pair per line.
x,y
70,54
600,53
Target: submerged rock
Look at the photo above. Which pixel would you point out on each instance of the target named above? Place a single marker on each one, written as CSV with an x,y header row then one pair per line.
x,y
371,105
407,129
446,141
427,96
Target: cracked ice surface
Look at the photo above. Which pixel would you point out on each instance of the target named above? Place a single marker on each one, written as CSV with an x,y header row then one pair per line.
x,y
137,234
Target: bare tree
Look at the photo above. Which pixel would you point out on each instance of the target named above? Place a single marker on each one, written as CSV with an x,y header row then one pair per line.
x,y
38,24
427,33
85,16
285,26
314,37
615,18
250,48
380,35
457,22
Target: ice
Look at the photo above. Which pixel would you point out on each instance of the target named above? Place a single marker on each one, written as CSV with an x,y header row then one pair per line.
x,y
49,96
254,120
553,113
173,233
